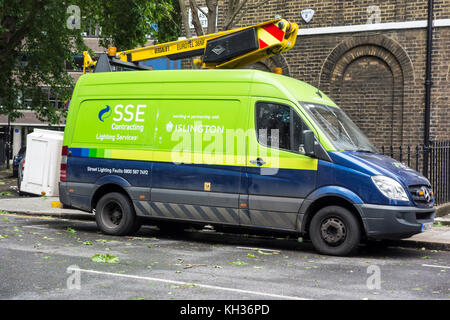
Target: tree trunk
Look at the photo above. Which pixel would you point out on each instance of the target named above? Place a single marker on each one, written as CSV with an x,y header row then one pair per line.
x,y
195,20
184,18
212,15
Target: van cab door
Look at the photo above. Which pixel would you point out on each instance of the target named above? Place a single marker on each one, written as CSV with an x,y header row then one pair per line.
x,y
278,175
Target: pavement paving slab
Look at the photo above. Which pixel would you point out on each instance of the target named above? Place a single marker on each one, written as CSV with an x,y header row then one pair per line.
x,y
444,220
41,206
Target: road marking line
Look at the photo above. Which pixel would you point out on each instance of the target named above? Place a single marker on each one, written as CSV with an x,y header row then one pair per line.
x,y
187,283
255,249
435,266
41,227
25,216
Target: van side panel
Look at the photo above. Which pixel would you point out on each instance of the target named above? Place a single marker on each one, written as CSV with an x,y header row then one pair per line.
x,y
182,137
165,139
112,138
192,179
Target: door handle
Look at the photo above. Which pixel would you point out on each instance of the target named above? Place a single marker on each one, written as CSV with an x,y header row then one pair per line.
x,y
258,161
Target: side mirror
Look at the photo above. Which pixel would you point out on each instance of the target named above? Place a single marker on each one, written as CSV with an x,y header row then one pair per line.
x,y
308,143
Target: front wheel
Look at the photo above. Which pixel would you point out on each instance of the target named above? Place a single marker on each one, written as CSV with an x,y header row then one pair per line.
x,y
115,215
334,230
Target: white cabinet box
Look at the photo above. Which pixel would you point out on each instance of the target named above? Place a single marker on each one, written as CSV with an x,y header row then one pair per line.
x,y
42,162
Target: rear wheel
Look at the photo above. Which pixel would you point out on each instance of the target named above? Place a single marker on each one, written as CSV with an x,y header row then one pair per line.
x,y
115,215
334,230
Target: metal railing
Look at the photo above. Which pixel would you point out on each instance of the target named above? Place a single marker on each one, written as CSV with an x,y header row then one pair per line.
x,y
433,161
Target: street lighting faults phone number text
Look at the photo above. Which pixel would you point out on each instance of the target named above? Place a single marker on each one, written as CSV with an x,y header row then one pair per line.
x,y
117,170
228,309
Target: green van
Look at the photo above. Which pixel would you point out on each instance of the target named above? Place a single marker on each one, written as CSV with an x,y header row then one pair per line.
x,y
232,148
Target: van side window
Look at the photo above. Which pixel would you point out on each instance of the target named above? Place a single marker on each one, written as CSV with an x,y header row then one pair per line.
x,y
279,126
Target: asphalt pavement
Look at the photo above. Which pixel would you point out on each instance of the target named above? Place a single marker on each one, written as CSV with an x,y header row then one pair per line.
x,y
47,252
437,238
44,257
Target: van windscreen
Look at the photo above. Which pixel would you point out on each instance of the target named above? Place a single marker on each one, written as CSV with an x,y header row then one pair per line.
x,y
339,128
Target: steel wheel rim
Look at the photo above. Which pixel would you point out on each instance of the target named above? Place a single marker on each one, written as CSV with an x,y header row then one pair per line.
x,y
112,214
333,231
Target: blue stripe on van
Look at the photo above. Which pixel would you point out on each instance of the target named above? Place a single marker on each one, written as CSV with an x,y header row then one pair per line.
x,y
79,152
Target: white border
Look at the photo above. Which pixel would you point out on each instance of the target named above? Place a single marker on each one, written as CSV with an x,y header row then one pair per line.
x,y
373,27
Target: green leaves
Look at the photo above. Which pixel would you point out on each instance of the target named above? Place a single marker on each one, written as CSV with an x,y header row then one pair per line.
x,y
238,263
33,57
183,286
70,230
37,47
105,258
268,253
127,25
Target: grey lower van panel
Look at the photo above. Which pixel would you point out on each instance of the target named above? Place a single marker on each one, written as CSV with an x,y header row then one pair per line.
x,y
279,204
213,207
268,219
195,213
231,216
201,198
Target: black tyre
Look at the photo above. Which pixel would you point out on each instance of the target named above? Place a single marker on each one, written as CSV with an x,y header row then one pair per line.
x,y
335,231
115,215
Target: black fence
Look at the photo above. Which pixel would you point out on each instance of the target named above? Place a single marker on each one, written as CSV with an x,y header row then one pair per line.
x,y
433,161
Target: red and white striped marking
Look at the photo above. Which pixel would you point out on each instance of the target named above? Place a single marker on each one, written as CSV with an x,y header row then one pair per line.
x,y
269,35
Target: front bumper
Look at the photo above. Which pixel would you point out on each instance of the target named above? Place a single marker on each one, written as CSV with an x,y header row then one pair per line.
x,y
394,222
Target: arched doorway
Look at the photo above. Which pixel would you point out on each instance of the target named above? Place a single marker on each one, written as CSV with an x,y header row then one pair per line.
x,y
367,76
367,96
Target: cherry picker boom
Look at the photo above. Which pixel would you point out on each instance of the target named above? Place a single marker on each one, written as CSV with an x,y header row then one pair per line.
x,y
222,50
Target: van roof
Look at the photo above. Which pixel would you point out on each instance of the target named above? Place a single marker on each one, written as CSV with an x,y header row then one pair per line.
x,y
263,83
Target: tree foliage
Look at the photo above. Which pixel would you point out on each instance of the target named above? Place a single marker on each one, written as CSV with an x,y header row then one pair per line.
x,y
126,24
234,11
36,44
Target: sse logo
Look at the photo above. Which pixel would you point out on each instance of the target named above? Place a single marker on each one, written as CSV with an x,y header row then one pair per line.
x,y
127,114
105,113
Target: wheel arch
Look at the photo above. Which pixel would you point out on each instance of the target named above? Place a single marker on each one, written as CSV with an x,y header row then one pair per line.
x,y
106,188
319,200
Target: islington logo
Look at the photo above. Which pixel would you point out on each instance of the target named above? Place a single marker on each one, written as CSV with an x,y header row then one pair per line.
x,y
169,126
105,113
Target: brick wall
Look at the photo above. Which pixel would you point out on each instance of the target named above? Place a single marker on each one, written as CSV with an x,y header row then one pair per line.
x,y
377,77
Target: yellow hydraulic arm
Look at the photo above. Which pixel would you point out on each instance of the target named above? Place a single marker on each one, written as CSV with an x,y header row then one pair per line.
x,y
228,49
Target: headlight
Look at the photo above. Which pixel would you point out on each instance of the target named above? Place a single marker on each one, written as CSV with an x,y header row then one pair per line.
x,y
390,188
